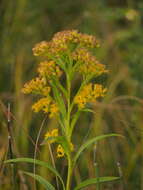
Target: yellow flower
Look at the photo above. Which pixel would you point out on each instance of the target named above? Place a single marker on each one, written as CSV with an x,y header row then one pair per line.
x,y
88,41
73,36
37,86
60,151
89,93
53,110
45,90
88,64
98,91
61,41
46,105
42,104
53,133
48,68
41,48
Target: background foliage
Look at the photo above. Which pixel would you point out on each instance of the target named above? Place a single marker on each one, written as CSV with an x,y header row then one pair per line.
x,y
118,25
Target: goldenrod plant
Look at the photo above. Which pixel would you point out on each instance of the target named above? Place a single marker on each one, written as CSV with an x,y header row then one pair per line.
x,y
67,56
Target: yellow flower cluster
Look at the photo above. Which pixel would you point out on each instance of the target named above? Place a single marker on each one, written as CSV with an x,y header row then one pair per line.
x,y
89,93
88,64
41,48
47,105
53,110
74,36
36,86
60,149
53,133
61,152
88,41
61,41
49,68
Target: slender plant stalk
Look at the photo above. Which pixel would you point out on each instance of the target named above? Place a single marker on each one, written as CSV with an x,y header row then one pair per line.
x,y
70,167
96,167
97,175
9,132
69,176
10,145
121,175
54,165
36,146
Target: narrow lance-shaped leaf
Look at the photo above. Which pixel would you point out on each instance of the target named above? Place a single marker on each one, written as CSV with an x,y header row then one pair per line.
x,y
59,99
38,162
91,141
58,84
95,181
88,110
74,120
44,182
76,116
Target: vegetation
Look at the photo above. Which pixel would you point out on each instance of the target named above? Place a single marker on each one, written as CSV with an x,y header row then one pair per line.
x,y
118,25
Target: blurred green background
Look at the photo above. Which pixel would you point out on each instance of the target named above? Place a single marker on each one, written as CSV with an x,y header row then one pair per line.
x,y
119,26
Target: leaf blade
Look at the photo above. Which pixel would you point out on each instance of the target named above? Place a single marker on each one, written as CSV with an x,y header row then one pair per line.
x,y
59,99
95,181
91,141
38,162
44,182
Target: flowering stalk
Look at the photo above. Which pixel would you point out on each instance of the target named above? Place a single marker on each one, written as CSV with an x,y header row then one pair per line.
x,y
67,55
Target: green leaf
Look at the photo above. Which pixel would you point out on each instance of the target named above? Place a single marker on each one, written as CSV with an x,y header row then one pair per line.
x,y
95,181
59,99
74,120
38,162
91,141
88,110
58,84
41,180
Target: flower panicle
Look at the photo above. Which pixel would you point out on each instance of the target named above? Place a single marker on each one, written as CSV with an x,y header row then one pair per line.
x,y
53,133
41,48
88,64
73,36
61,41
42,104
47,105
49,68
68,53
36,86
89,93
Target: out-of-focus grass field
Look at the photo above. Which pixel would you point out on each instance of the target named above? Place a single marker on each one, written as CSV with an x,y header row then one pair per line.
x,y
119,26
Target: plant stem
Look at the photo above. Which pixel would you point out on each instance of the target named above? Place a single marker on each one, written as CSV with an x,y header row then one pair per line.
x,y
69,108
69,176
97,175
68,104
10,145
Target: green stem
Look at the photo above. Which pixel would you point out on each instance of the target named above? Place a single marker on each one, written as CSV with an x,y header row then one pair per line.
x,y
68,104
68,125
69,176
97,175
